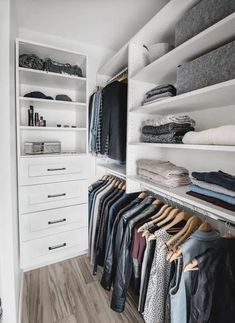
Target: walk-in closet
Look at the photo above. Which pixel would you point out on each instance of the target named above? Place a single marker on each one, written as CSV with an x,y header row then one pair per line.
x,y
117,161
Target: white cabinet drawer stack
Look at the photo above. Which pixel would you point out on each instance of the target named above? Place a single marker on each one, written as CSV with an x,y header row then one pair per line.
x,y
53,188
53,208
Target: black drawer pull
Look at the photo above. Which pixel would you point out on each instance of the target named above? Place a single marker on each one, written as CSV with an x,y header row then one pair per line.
x,y
56,221
56,195
57,247
55,169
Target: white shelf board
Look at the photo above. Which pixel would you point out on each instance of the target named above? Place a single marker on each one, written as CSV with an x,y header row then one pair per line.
x,y
214,96
163,70
53,103
179,193
63,154
185,146
27,128
49,79
119,170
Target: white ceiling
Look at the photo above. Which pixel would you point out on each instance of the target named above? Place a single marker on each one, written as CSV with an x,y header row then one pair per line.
x,y
106,23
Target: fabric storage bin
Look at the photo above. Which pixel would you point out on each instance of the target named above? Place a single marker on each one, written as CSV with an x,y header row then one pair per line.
x,y
214,67
203,15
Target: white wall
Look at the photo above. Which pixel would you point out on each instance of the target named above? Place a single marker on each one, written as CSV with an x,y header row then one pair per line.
x,y
96,55
9,250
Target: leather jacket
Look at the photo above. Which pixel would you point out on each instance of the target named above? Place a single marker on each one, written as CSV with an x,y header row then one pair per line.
x,y
124,265
214,298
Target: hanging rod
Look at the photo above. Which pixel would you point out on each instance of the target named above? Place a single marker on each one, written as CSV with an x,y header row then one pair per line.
x,y
146,187
119,74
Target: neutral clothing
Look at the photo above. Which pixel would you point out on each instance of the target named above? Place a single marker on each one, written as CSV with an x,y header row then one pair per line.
x,y
157,97
224,135
212,200
219,178
166,128
214,296
145,272
161,120
166,138
180,297
154,310
220,196
212,187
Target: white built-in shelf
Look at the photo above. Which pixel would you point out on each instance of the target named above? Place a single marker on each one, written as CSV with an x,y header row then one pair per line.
x,y
214,96
179,193
53,103
49,79
119,170
185,146
28,128
63,154
164,69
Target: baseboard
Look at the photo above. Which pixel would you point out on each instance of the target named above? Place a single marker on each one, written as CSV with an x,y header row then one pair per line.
x,y
21,297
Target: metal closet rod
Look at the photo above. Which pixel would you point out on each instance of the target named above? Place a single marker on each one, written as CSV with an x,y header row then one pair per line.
x,y
195,209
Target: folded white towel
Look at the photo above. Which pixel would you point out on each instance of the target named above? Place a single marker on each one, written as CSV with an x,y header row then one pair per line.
x,y
163,168
213,187
224,135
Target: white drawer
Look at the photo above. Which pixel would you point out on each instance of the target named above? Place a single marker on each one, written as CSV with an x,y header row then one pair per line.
x,y
54,169
43,223
53,248
49,196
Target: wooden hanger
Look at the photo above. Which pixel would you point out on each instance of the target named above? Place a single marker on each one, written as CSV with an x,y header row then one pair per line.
x,y
193,220
205,227
142,195
163,216
169,217
181,216
104,177
193,225
121,185
191,266
160,212
124,187
157,202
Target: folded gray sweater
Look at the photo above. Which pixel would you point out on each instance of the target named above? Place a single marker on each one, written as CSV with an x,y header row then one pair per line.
x,y
168,119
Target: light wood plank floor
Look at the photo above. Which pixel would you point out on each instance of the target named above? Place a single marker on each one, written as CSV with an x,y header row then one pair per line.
x,y
67,292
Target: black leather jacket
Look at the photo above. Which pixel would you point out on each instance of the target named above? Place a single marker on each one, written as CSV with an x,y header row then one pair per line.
x,y
124,265
108,273
214,298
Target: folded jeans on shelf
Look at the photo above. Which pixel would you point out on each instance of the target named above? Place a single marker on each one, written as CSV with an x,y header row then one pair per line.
x,y
219,196
224,135
213,187
212,200
172,182
157,97
219,178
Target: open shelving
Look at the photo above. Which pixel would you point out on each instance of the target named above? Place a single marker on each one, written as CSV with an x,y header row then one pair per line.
x,y
164,69
72,113
185,146
218,95
180,195
119,170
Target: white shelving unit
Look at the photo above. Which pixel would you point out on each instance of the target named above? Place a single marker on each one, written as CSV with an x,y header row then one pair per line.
x,y
52,188
210,107
114,169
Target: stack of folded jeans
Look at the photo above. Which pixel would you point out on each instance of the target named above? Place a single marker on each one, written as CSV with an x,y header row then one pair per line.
x,y
214,187
159,93
167,129
163,173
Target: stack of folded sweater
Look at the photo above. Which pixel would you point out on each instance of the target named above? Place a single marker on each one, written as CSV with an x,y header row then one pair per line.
x,y
214,187
159,93
167,129
224,135
163,173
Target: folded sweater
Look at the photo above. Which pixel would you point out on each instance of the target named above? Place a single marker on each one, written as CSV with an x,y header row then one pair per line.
x,y
164,168
162,120
168,127
167,138
224,135
219,178
171,182
212,187
161,89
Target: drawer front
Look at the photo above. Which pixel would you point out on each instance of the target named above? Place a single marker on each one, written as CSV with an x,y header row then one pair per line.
x,y
54,169
53,248
43,223
49,196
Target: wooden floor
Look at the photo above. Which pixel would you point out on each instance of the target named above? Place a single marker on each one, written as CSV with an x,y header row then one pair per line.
x,y
67,292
